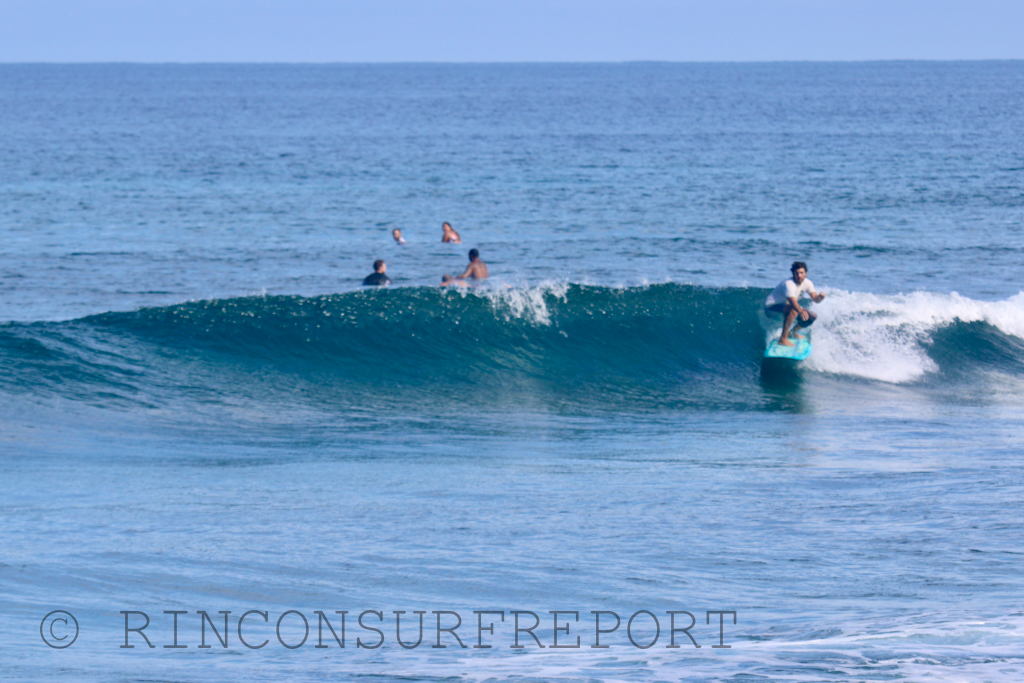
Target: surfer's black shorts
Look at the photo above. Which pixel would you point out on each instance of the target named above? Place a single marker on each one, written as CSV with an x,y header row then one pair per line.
x,y
778,312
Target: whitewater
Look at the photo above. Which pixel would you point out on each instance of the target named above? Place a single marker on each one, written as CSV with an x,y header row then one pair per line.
x,y
567,341
202,411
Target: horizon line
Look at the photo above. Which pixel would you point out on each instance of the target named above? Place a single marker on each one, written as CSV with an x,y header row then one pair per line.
x,y
503,63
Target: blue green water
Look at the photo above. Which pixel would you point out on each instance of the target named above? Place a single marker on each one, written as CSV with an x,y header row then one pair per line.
x,y
201,409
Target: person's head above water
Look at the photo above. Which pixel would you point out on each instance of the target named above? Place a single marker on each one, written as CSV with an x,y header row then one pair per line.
x,y
476,270
449,234
379,266
799,270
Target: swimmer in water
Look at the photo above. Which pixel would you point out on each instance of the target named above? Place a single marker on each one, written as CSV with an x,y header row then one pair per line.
x,y
448,281
377,277
476,270
397,234
449,234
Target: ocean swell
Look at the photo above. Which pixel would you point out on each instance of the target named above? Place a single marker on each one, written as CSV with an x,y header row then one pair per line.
x,y
557,343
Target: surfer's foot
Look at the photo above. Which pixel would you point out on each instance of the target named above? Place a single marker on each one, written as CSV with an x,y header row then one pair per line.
x,y
794,335
785,342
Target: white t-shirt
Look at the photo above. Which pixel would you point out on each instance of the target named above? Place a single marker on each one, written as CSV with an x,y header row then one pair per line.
x,y
786,289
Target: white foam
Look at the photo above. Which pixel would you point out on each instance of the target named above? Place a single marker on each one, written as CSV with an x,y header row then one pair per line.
x,y
525,303
886,337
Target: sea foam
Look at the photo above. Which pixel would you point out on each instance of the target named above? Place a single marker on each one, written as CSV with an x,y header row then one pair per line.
x,y
886,338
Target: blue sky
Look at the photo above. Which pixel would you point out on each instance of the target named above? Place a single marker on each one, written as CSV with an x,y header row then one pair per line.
x,y
507,30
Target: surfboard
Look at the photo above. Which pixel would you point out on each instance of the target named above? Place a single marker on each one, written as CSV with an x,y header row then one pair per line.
x,y
800,351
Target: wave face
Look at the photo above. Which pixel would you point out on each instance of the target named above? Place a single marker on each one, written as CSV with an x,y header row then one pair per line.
x,y
552,345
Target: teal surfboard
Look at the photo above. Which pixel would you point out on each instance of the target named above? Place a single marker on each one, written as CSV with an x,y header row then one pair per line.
x,y
798,352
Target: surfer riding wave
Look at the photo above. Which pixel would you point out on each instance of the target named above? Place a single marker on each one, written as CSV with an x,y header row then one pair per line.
x,y
784,303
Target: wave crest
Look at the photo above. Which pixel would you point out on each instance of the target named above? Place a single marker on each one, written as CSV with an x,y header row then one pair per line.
x,y
894,338
556,343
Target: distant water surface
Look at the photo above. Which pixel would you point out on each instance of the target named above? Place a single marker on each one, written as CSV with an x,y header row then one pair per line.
x,y
203,410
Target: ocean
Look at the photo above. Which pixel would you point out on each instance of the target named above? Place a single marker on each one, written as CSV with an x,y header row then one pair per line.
x,y
211,436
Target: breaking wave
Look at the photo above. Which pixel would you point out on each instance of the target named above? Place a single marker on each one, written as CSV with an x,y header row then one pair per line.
x,y
562,343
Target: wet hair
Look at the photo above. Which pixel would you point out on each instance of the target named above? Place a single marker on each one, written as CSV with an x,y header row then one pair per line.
x,y
446,225
446,278
473,253
378,264
797,265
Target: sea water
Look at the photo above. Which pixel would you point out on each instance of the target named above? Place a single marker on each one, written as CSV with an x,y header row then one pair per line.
x,y
203,411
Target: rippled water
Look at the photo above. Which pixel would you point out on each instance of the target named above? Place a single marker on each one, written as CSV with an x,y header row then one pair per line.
x,y
202,410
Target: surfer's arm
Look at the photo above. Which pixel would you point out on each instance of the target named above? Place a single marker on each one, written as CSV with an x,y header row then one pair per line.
x,y
800,310
818,297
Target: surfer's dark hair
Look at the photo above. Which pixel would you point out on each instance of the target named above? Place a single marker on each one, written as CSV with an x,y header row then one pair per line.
x,y
797,265
377,264
473,253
